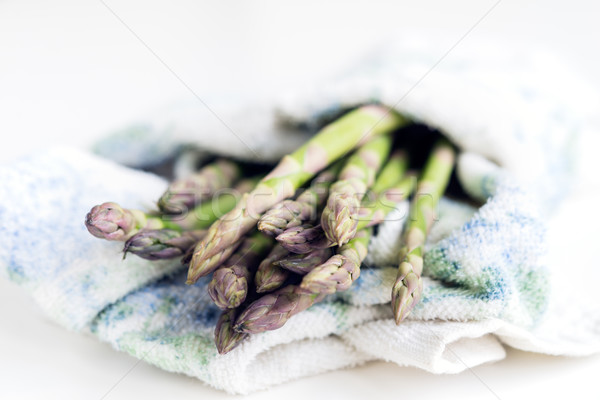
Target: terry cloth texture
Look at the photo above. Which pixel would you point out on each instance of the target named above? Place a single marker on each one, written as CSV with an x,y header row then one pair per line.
x,y
488,278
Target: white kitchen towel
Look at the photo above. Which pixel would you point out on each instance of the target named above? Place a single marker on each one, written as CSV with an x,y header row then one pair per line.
x,y
490,280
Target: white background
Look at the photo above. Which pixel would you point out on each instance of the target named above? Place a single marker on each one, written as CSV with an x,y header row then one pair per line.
x,y
71,71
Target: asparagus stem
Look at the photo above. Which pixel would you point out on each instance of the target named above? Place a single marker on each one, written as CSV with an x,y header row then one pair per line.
x,y
207,212
183,194
393,170
408,287
372,213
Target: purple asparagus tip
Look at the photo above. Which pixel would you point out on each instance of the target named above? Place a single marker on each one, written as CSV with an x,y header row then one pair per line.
x,y
110,221
226,339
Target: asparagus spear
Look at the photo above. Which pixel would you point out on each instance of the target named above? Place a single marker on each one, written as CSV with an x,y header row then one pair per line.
x,y
273,310
293,171
407,289
110,221
270,276
290,213
229,285
161,244
183,194
226,338
304,263
340,216
339,271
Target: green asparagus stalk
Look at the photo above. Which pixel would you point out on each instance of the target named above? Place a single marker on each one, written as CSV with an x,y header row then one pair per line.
x,y
226,338
161,244
342,269
273,310
304,263
340,216
110,221
292,172
229,285
207,212
270,276
373,213
183,194
290,213
392,171
408,287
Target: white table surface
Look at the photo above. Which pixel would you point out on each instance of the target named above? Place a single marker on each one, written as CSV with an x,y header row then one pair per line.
x,y
70,71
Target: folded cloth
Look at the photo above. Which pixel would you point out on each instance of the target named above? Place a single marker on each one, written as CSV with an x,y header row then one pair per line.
x,y
488,278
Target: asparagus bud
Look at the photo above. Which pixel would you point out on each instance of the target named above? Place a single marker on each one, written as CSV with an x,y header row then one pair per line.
x,y
273,310
408,286
229,285
270,276
226,338
304,239
341,270
304,263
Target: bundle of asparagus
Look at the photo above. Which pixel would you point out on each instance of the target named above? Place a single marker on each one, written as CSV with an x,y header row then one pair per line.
x,y
273,255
